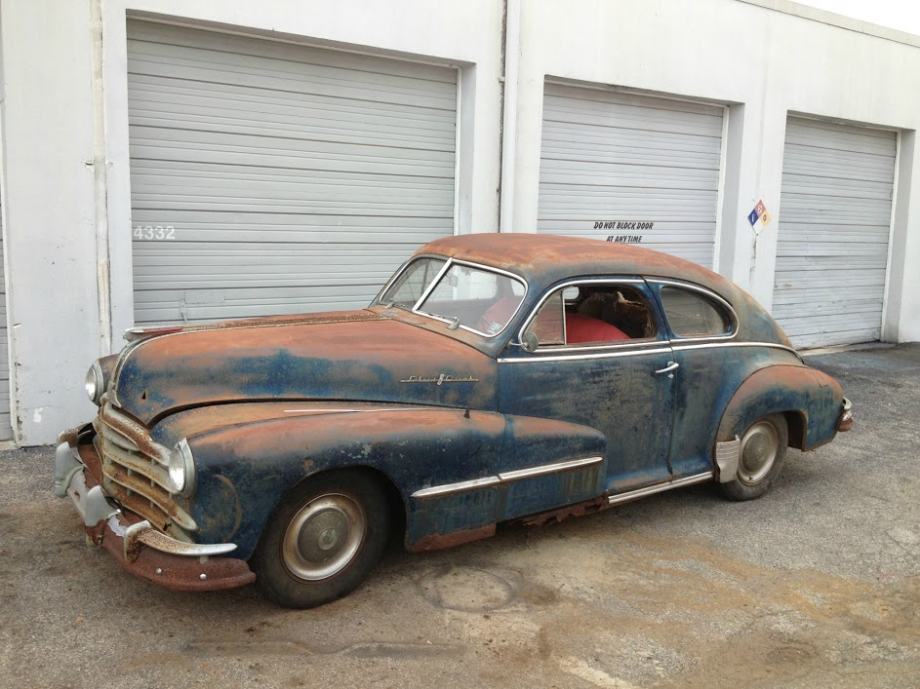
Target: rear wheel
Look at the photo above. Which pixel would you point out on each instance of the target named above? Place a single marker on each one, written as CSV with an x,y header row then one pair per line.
x,y
323,540
761,456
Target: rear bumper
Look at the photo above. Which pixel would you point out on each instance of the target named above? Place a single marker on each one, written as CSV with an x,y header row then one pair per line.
x,y
845,421
139,548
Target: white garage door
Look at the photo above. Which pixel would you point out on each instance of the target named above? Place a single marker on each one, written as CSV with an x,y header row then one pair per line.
x,y
631,168
835,215
274,178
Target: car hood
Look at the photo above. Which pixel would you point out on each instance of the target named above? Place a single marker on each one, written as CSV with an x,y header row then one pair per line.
x,y
357,356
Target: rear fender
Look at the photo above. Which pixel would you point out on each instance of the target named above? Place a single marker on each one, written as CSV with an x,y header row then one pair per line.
x,y
810,398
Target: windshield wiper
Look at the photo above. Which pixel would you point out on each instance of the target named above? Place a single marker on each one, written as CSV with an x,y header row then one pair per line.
x,y
396,304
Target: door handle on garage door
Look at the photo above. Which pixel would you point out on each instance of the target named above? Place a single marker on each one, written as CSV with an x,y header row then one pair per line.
x,y
672,366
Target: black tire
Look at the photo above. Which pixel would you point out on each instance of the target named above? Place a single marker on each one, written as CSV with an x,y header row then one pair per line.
x,y
751,481
291,566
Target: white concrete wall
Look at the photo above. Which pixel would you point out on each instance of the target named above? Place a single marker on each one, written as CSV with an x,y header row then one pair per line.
x,y
49,213
66,185
764,63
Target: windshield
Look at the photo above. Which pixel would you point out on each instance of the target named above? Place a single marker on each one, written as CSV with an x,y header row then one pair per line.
x,y
468,297
411,284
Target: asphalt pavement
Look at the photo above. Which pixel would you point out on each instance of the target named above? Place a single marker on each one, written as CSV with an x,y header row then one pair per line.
x,y
815,585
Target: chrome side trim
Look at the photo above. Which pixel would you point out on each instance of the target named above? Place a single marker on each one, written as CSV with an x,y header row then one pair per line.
x,y
728,452
315,411
672,346
659,488
580,357
633,344
678,347
505,477
693,287
458,487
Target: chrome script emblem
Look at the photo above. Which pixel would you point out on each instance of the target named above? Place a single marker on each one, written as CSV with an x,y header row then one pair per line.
x,y
440,379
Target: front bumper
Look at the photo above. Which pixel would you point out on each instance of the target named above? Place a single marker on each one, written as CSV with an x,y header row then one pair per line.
x,y
133,542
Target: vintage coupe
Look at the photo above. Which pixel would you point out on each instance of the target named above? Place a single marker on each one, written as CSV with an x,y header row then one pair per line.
x,y
494,378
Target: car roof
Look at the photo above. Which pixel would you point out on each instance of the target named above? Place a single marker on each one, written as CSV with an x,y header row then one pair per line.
x,y
545,258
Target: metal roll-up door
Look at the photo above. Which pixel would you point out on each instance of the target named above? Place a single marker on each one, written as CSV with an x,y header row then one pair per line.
x,y
268,177
835,217
6,429
634,169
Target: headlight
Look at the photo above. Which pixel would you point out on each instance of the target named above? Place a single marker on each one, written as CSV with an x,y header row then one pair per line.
x,y
94,383
181,469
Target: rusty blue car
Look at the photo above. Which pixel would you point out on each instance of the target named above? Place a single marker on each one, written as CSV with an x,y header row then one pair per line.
x,y
495,378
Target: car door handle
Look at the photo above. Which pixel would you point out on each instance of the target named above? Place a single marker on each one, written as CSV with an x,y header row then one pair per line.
x,y
672,366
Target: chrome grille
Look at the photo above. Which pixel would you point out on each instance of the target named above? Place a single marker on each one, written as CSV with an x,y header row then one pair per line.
x,y
134,472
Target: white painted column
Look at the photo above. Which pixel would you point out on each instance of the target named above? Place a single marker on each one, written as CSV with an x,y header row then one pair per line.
x,y
49,202
902,310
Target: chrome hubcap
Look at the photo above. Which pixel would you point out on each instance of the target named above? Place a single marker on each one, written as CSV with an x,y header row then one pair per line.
x,y
323,537
759,448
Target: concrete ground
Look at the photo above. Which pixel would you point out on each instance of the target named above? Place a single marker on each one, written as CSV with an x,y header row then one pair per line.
x,y
815,585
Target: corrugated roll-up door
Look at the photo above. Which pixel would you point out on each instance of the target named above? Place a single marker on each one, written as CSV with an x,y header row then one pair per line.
x,y
6,430
274,178
632,168
835,216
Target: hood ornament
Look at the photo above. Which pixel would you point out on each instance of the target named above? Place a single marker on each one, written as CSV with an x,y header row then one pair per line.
x,y
440,379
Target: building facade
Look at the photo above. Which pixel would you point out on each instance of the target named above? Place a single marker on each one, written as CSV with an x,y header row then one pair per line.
x,y
185,160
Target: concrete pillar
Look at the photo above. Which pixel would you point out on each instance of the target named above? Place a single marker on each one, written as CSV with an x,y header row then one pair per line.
x,y
49,227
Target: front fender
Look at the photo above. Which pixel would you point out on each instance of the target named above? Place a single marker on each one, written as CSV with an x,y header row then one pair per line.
x,y
812,397
245,469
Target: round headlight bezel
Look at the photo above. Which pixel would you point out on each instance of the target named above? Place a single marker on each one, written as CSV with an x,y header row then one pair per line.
x,y
94,383
181,469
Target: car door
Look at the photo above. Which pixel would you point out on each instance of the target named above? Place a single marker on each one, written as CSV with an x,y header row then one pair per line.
x,y
702,327
571,366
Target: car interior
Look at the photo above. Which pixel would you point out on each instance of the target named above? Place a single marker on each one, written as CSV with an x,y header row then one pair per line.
x,y
593,313
606,313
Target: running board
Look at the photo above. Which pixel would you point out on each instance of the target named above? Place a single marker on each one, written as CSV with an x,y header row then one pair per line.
x,y
659,488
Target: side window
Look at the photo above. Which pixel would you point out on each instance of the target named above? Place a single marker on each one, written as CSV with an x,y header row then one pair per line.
x,y
414,279
592,313
549,326
691,314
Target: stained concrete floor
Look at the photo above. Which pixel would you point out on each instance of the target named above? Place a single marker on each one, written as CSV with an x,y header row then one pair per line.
x,y
815,585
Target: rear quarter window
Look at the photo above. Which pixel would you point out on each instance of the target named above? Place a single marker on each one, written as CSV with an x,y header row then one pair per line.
x,y
693,314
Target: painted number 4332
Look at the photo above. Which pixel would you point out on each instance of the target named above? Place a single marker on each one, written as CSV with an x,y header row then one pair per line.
x,y
154,232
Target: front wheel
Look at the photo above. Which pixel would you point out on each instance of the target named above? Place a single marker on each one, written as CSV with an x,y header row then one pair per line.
x,y
760,459
323,540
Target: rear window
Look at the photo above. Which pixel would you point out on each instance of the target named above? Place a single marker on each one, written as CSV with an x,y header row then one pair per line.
x,y
692,314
